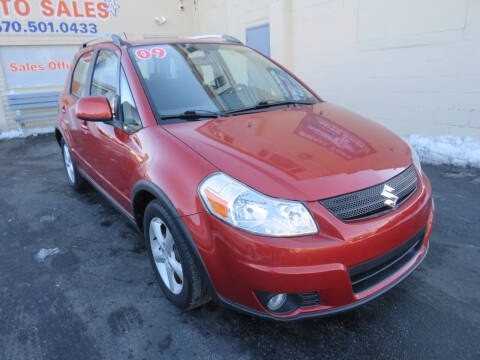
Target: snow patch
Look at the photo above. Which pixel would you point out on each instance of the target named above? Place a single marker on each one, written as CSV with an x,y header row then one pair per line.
x,y
44,253
47,218
19,133
38,131
11,134
447,150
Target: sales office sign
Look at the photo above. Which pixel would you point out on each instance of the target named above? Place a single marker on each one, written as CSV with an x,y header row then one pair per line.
x,y
60,17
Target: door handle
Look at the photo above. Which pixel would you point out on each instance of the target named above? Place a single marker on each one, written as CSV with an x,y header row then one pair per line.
x,y
63,110
84,126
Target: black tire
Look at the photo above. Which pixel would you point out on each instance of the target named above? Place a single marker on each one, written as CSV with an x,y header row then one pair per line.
x,y
194,292
76,181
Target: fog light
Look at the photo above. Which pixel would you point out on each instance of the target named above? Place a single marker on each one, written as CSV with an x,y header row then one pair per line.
x,y
276,302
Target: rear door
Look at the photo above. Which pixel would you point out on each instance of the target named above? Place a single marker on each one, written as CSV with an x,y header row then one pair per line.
x,y
76,128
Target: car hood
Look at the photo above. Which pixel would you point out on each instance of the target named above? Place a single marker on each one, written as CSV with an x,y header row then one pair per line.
x,y
304,153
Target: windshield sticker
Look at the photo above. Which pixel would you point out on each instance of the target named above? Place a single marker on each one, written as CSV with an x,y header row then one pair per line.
x,y
145,54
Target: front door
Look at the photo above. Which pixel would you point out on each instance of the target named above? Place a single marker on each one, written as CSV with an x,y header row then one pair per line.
x,y
112,146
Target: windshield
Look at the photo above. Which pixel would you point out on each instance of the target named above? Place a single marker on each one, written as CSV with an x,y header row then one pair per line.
x,y
212,78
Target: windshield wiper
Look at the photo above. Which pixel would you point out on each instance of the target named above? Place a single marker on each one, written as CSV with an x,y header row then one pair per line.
x,y
194,115
267,104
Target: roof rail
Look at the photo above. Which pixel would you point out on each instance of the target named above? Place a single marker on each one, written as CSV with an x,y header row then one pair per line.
x,y
216,36
112,37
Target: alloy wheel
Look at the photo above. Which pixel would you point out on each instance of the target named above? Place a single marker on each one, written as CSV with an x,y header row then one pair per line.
x,y
68,164
165,255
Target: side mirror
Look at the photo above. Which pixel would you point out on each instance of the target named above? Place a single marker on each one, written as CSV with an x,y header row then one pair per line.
x,y
93,108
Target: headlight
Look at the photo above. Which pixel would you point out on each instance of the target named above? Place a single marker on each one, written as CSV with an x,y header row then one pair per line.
x,y
416,159
249,210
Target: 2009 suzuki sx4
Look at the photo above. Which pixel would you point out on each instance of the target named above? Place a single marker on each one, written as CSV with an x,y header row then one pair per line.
x,y
249,188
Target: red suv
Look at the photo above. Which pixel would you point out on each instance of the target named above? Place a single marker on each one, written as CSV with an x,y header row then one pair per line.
x,y
249,188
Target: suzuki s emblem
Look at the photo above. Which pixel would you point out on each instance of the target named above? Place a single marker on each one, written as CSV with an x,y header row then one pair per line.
x,y
391,197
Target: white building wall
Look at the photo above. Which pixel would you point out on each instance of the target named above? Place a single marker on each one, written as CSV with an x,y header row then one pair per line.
x,y
412,65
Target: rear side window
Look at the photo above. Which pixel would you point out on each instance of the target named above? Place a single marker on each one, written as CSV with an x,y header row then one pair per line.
x,y
80,74
105,75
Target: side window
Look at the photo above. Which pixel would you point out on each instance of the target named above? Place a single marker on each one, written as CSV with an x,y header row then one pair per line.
x,y
105,75
130,116
80,74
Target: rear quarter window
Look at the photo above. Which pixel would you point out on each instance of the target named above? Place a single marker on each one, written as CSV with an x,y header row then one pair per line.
x,y
80,74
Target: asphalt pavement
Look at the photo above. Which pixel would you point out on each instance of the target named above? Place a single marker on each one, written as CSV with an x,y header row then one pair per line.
x,y
97,298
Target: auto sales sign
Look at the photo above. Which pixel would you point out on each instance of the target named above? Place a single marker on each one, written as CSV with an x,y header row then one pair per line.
x,y
61,17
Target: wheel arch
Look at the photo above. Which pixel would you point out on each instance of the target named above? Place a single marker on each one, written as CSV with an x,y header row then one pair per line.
x,y
59,135
144,192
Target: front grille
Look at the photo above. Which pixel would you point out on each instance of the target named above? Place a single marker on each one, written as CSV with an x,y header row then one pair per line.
x,y
370,273
310,299
369,202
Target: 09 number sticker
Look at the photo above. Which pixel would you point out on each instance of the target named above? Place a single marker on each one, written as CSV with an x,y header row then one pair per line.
x,y
156,52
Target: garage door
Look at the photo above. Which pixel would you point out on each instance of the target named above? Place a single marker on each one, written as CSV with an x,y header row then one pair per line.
x,y
258,37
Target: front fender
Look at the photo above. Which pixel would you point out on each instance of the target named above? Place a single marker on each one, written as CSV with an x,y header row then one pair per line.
x,y
171,171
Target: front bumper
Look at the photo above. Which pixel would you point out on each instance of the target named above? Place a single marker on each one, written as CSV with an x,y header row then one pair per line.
x,y
239,263
318,311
